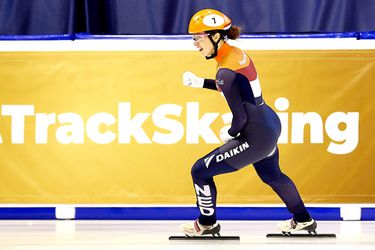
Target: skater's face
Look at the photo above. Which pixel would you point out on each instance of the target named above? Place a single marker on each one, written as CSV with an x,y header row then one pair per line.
x,y
203,44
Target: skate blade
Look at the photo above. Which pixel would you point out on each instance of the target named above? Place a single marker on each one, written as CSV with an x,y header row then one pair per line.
x,y
300,235
204,237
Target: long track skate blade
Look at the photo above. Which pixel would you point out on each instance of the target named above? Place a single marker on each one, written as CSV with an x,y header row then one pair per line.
x,y
298,235
204,238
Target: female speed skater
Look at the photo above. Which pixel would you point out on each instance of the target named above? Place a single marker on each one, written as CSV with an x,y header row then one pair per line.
x,y
252,136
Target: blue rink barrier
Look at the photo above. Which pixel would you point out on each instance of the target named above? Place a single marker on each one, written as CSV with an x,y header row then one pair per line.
x,y
37,37
78,36
25,213
366,35
253,36
174,213
303,35
191,213
368,213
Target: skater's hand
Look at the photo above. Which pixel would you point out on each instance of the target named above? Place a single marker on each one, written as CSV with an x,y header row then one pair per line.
x,y
191,80
224,135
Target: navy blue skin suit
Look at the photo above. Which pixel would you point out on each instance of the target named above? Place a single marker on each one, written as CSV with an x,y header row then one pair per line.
x,y
256,128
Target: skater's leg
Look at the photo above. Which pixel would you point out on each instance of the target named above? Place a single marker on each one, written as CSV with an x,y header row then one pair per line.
x,y
202,173
270,173
230,157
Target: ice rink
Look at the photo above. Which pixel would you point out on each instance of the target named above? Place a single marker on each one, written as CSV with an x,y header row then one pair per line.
x,y
127,234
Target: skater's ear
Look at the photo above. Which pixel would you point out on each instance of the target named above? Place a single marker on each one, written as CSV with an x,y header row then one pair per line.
x,y
216,36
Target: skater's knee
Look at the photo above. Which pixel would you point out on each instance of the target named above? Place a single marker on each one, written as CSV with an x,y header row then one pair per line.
x,y
269,177
198,170
267,180
274,180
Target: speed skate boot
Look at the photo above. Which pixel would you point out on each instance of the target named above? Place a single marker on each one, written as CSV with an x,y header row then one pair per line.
x,y
289,226
196,229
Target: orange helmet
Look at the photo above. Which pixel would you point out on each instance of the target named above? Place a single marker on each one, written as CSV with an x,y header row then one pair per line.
x,y
208,19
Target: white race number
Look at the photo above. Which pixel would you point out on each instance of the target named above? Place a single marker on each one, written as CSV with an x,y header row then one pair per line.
x,y
213,20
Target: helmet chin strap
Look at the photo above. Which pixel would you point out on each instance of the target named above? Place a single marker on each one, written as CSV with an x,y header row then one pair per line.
x,y
215,44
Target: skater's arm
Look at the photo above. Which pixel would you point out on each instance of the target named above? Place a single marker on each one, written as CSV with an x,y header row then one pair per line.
x,y
209,84
225,80
192,80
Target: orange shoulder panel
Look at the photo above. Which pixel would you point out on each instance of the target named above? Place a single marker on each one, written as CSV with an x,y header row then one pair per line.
x,y
237,60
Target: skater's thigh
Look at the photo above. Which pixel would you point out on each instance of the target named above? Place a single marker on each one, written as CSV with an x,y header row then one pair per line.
x,y
241,152
268,168
211,165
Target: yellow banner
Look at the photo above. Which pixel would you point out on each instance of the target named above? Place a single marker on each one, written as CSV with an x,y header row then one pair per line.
x,y
119,127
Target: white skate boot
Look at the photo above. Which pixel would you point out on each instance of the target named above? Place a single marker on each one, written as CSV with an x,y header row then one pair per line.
x,y
196,229
289,226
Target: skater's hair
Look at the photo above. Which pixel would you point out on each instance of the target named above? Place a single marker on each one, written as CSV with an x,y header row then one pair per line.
x,y
232,33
